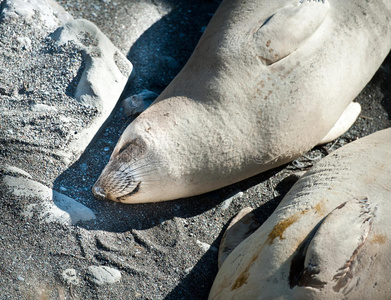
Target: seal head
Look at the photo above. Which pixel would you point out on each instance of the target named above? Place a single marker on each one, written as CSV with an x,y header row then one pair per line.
x,y
121,177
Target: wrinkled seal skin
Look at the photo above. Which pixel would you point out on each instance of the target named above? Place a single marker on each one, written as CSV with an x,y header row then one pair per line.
x,y
266,82
330,237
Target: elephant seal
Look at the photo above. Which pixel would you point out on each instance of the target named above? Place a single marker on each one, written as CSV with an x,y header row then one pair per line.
x,y
266,82
330,237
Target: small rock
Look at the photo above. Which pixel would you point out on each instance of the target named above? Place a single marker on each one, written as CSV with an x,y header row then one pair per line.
x,y
20,278
298,164
203,245
70,276
52,207
227,203
106,149
24,42
136,104
102,275
42,108
14,171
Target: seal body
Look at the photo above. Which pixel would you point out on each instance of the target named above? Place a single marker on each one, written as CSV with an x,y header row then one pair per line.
x,y
328,239
266,82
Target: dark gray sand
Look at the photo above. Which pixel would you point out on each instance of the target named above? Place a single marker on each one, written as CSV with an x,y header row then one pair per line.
x,y
163,250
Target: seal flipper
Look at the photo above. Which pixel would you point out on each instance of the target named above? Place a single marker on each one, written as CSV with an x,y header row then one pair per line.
x,y
241,227
289,28
344,122
336,247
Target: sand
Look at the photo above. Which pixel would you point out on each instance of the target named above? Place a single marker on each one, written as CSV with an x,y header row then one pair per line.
x,y
163,250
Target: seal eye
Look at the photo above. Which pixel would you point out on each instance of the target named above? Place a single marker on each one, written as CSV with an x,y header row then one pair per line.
x,y
134,148
124,147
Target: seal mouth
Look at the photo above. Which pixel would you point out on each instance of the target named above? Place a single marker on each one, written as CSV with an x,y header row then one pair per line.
x,y
135,190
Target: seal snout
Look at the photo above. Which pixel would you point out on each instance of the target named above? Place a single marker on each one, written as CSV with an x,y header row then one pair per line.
x,y
116,184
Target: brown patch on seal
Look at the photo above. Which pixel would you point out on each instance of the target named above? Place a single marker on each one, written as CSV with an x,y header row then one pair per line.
x,y
277,232
268,94
379,239
320,208
280,228
242,278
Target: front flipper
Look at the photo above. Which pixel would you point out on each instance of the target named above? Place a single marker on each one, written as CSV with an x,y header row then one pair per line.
x,y
289,28
241,227
344,122
333,253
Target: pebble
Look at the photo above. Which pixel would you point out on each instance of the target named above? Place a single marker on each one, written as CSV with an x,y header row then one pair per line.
x,y
204,246
70,276
53,207
227,203
15,171
24,42
106,149
137,103
102,275
20,278
42,108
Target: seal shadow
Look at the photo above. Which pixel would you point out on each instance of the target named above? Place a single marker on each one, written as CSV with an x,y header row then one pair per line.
x,y
161,51
202,275
158,55
386,86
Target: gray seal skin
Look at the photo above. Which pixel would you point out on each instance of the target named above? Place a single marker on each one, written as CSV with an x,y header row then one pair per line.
x,y
330,237
267,81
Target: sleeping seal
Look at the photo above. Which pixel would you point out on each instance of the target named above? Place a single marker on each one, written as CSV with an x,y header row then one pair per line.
x,y
330,237
267,81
